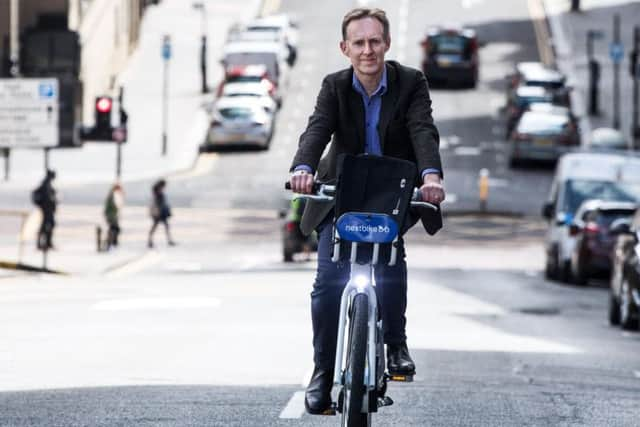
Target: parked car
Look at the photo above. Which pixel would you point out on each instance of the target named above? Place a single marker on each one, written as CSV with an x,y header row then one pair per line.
x,y
520,101
293,241
450,56
257,33
537,74
624,291
282,23
238,123
607,139
255,73
591,228
270,54
543,134
578,177
251,91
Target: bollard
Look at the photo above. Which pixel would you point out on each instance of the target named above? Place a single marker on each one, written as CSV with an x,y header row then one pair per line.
x,y
98,238
483,188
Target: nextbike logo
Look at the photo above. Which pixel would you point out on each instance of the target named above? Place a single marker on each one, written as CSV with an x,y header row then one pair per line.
x,y
365,228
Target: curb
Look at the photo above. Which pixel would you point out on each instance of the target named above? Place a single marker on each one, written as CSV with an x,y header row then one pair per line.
x,y
29,268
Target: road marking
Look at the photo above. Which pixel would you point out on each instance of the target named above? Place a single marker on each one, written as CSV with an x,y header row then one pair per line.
x,y
295,406
467,151
270,7
183,303
468,4
148,259
543,38
204,166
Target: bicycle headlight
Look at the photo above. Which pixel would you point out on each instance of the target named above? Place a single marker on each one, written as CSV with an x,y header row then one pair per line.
x,y
361,281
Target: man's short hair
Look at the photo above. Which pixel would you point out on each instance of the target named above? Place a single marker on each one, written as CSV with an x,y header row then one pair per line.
x,y
365,12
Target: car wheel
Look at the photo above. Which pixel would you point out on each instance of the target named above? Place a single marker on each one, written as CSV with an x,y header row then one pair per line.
x,y
287,256
564,271
579,274
628,312
614,311
551,266
513,163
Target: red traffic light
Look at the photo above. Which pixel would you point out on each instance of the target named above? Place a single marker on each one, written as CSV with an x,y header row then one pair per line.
x,y
103,105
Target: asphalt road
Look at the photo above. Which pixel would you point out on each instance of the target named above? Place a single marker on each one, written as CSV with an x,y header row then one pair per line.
x,y
216,331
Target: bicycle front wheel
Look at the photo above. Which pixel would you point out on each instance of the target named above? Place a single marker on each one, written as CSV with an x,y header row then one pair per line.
x,y
355,388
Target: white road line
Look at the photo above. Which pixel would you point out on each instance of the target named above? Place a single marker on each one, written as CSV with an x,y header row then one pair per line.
x,y
467,151
134,304
147,260
295,406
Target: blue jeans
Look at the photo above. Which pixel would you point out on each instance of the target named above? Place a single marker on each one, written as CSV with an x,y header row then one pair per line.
x,y
331,278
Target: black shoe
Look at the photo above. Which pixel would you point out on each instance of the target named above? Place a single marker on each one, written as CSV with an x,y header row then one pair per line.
x,y
317,398
398,360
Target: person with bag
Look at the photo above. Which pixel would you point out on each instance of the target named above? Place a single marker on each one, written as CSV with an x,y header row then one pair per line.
x,y
45,198
112,208
380,108
160,211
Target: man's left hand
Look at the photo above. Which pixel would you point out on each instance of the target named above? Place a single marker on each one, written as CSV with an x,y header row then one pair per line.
x,y
432,190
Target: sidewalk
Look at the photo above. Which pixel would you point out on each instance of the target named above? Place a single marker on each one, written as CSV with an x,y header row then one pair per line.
x,y
142,81
569,32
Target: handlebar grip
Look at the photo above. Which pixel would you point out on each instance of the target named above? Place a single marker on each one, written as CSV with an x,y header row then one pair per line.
x,y
314,190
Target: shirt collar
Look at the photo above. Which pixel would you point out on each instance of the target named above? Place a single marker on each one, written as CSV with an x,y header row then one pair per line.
x,y
380,90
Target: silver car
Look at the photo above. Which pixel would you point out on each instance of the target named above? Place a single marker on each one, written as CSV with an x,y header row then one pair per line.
x,y
239,122
259,92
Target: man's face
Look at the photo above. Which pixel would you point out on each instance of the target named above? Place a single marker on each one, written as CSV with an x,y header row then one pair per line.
x,y
365,46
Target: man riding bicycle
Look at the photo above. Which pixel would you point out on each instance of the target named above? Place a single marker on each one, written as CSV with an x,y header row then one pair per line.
x,y
378,108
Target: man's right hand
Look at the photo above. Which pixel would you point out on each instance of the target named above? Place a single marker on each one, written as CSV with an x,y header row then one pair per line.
x,y
301,182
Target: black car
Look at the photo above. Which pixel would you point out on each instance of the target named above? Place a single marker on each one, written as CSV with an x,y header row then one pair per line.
x,y
591,228
624,298
450,56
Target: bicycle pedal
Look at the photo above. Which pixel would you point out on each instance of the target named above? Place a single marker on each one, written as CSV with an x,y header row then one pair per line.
x,y
384,401
401,378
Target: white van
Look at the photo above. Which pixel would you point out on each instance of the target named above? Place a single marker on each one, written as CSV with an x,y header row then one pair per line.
x,y
579,177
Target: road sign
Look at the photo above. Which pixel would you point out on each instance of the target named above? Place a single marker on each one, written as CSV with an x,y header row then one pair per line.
x,y
616,52
166,47
29,109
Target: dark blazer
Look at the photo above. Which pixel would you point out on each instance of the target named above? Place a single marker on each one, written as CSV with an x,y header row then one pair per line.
x,y
405,128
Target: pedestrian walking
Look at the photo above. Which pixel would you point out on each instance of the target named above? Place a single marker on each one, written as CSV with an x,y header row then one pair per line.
x,y
112,208
44,196
160,211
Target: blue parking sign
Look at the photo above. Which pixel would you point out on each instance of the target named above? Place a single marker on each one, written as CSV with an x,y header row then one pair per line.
x,y
616,52
45,90
166,47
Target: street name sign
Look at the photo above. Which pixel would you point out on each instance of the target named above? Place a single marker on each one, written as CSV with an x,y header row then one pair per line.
x,y
29,109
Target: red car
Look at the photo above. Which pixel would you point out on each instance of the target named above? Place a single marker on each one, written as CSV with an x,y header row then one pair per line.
x,y
250,73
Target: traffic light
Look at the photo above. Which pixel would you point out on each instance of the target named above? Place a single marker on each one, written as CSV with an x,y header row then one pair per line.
x,y
103,127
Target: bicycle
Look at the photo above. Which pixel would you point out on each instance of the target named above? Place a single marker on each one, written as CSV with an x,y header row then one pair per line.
x,y
360,372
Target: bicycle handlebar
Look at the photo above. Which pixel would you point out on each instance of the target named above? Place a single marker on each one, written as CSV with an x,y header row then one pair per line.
x,y
325,192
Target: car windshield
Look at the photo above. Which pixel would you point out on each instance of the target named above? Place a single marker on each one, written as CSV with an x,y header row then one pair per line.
x,y
580,190
449,44
236,113
244,79
533,122
606,217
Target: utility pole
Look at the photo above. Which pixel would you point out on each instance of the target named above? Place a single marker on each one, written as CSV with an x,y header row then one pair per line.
x,y
166,55
635,75
14,54
575,5
594,71
203,47
617,53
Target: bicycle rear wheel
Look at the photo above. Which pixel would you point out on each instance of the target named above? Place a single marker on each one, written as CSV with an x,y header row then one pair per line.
x,y
355,388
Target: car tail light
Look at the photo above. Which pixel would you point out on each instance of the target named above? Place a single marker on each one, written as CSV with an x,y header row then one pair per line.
x,y
291,226
521,136
591,228
473,45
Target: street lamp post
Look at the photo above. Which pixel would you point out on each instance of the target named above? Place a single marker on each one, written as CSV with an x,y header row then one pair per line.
x,y
203,47
594,71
